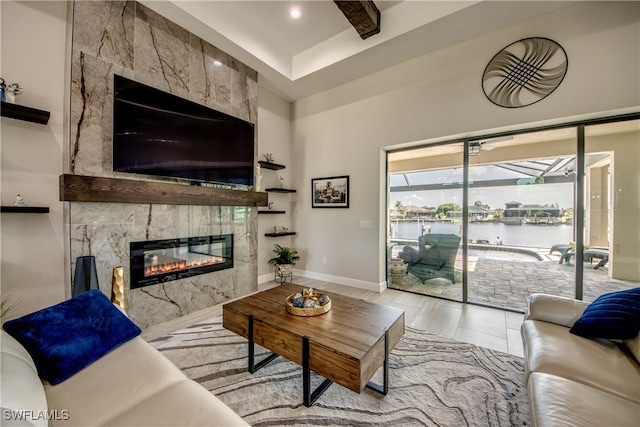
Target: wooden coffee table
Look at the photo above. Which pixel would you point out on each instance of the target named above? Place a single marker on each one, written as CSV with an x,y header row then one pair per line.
x,y
346,345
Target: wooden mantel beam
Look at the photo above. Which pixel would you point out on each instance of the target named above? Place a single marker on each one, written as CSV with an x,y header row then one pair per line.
x,y
78,188
363,15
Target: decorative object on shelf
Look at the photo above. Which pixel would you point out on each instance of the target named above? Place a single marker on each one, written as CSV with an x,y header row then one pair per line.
x,y
397,270
283,230
258,177
270,206
11,91
269,158
284,261
281,181
3,89
86,276
332,192
117,288
524,72
308,303
19,201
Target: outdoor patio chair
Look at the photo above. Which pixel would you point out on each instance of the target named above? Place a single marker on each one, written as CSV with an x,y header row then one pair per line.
x,y
560,247
602,254
436,257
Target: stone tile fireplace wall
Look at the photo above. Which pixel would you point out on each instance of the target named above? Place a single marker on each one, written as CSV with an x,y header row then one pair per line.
x,y
129,39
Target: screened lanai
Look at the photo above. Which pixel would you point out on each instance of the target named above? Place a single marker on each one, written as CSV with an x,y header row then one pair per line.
x,y
504,220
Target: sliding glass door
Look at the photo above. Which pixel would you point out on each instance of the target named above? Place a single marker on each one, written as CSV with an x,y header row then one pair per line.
x,y
552,211
521,198
426,235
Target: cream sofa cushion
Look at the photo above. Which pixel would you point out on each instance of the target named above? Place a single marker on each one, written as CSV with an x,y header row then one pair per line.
x,y
555,309
113,384
21,388
136,385
601,364
186,403
556,401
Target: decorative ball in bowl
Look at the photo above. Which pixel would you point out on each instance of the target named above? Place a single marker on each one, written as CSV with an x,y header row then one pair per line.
x,y
308,303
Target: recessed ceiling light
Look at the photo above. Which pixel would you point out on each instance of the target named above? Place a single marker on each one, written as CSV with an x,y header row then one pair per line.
x,y
217,63
295,13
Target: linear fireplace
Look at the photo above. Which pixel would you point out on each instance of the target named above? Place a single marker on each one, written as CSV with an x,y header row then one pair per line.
x,y
159,261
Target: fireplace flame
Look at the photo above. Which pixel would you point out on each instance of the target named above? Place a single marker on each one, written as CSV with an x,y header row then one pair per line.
x,y
179,265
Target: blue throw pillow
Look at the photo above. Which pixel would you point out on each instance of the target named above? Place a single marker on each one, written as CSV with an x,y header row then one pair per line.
x,y
67,337
614,316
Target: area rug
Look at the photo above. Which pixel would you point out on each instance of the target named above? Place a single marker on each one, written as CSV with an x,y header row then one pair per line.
x,y
433,381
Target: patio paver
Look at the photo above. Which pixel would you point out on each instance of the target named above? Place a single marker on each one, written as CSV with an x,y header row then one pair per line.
x,y
509,284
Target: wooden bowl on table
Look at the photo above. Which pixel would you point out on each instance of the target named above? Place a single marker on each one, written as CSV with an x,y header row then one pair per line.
x,y
316,310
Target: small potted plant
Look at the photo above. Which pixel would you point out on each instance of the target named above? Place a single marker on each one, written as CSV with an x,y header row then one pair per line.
x,y
284,261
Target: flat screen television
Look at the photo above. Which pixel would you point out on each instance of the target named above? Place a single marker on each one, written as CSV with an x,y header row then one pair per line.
x,y
157,133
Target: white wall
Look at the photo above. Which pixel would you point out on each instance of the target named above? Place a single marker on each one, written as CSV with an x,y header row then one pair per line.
x,y
343,131
274,136
32,245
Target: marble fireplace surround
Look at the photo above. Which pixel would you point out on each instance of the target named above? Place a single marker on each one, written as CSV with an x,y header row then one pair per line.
x,y
107,210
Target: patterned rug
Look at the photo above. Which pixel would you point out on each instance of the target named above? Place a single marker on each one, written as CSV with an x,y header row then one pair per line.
x,y
434,381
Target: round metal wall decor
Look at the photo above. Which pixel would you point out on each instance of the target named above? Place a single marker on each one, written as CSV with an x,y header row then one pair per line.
x,y
524,72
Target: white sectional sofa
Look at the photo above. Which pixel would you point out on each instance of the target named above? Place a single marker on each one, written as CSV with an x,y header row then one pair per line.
x,y
131,385
576,381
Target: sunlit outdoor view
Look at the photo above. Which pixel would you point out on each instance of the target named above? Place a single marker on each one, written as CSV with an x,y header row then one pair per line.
x,y
520,218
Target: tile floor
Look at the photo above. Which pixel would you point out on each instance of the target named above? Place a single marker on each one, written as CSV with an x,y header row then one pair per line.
x,y
488,327
483,326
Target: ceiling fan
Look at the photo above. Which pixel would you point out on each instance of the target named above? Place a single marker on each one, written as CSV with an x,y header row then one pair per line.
x,y
475,146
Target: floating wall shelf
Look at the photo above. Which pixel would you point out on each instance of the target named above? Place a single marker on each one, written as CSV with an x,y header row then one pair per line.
x,y
288,233
27,114
271,212
279,190
24,209
269,165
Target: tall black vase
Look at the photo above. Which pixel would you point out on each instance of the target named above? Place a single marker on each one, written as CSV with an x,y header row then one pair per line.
x,y
86,277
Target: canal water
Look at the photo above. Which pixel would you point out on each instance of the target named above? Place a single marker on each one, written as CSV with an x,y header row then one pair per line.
x,y
534,236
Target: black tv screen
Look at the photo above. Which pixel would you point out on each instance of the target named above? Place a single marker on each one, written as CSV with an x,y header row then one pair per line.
x,y
157,133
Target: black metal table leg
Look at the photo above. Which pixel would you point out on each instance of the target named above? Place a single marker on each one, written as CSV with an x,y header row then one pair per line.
x,y
310,397
384,388
252,352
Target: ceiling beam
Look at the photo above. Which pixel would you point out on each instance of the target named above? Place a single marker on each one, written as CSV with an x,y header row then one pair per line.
x,y
363,15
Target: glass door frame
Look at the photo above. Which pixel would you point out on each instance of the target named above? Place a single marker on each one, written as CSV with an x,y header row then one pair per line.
x,y
579,197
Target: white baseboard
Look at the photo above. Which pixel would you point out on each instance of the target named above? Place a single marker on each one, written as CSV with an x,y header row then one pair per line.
x,y
354,283
265,278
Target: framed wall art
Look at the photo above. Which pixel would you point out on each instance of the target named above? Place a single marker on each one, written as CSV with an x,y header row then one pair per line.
x,y
332,192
